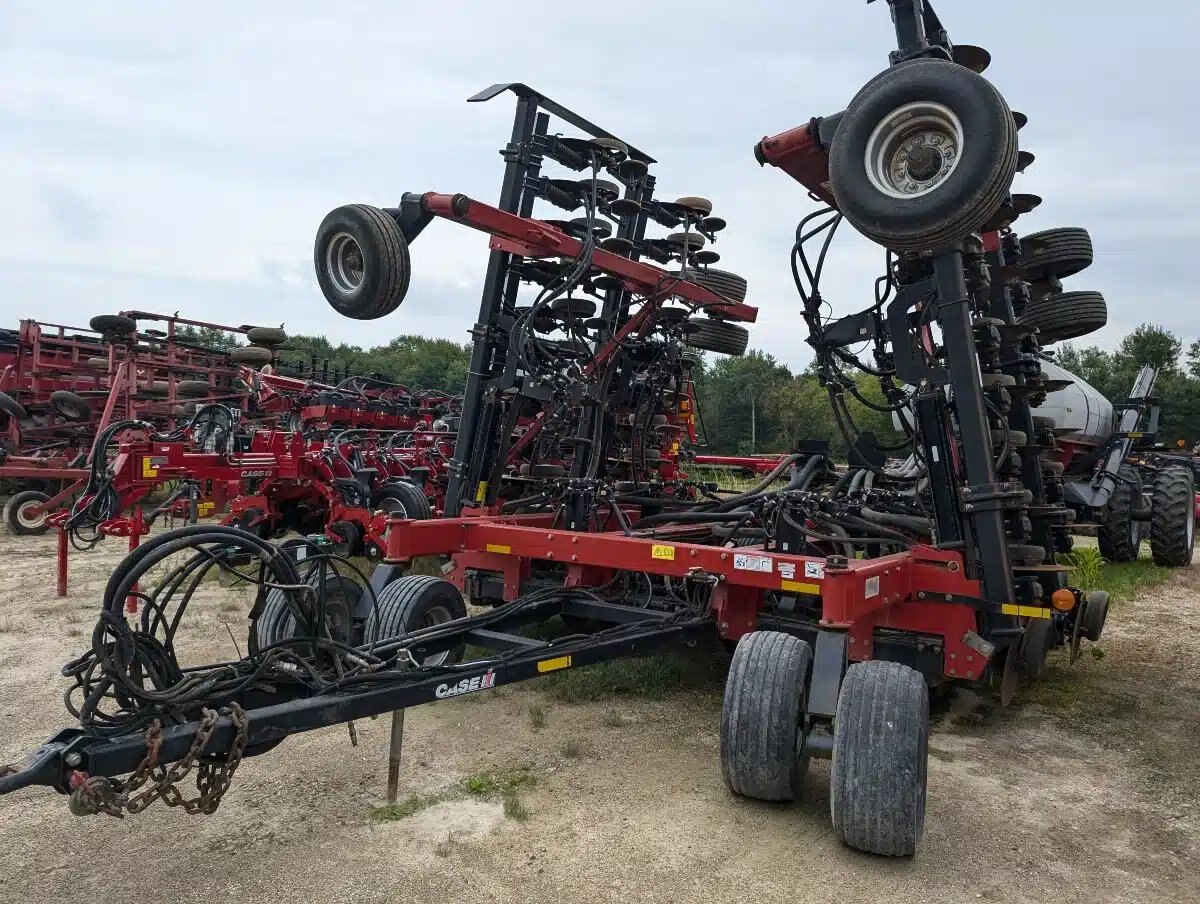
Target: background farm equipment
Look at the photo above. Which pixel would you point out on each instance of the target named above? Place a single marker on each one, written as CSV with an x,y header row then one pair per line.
x,y
846,594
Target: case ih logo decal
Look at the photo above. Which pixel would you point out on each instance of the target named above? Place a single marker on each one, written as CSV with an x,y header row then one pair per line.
x,y
466,686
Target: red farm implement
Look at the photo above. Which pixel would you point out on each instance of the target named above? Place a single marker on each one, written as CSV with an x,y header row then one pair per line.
x,y
845,593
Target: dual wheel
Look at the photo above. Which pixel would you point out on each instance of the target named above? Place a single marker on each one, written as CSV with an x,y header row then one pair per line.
x,y
880,740
1172,524
409,603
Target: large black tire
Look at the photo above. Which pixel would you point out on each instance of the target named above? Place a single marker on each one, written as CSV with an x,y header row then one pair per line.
x,y
12,407
1172,519
277,621
728,285
970,191
412,602
362,262
717,336
880,758
266,335
113,324
18,517
1056,253
761,716
251,355
70,406
1117,535
192,389
399,497
1067,315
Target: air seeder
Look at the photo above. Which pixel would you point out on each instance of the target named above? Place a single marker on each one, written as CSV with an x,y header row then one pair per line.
x,y
846,593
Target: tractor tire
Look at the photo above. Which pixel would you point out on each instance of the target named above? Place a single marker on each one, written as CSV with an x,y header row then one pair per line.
x,y
278,623
728,285
349,541
880,758
412,602
246,522
156,388
362,262
266,335
1173,518
761,716
113,324
399,497
1067,315
1117,535
717,336
876,187
97,364
18,515
1057,253
12,407
251,355
192,389
70,406
1094,615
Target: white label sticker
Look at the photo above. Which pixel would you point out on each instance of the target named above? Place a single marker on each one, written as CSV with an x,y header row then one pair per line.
x,y
872,587
814,569
787,570
934,451
752,563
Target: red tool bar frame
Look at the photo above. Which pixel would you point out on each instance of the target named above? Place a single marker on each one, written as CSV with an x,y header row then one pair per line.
x,y
906,591
533,238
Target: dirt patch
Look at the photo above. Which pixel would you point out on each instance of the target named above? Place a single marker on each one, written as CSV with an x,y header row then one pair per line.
x,y
1085,791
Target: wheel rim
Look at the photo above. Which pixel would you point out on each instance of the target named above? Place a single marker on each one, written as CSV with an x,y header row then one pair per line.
x,y
1191,528
914,150
438,615
27,520
344,263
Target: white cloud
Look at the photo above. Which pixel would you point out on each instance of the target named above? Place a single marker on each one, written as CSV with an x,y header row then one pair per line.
x,y
176,155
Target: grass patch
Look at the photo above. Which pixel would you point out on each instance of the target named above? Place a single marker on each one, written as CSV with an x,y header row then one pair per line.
x,y
482,784
431,565
514,807
613,719
574,749
485,783
1123,581
412,804
537,717
649,677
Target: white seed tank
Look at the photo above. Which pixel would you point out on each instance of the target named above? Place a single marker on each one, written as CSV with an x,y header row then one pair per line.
x,y
1079,409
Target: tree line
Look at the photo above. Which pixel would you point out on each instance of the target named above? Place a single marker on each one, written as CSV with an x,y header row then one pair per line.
x,y
756,404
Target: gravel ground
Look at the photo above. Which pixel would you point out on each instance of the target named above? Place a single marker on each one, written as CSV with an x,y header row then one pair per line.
x,y
1085,790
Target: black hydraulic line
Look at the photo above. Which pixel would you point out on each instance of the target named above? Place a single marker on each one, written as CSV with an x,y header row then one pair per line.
x,y
690,518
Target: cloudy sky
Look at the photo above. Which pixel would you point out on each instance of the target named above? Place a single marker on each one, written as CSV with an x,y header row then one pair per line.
x,y
165,157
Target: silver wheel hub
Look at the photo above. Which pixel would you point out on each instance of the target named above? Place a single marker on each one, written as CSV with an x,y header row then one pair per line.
x,y
344,263
26,516
914,150
438,615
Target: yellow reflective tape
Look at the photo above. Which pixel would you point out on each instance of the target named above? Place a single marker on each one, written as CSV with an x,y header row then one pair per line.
x,y
1026,611
800,587
500,548
553,665
481,491
659,551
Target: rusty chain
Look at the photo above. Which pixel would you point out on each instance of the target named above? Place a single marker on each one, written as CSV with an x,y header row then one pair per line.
x,y
98,794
